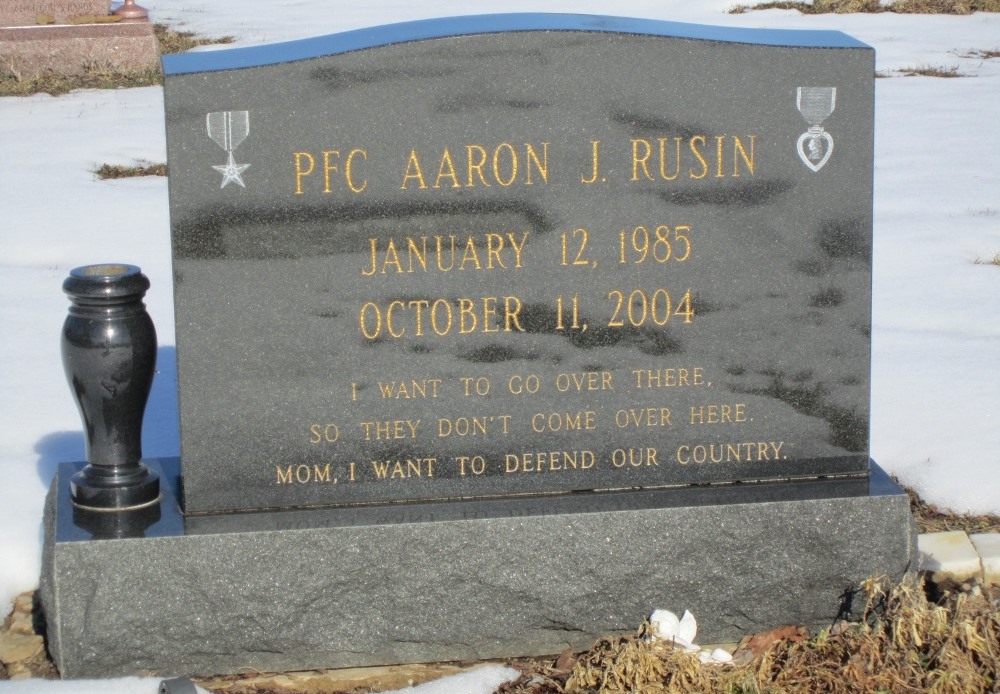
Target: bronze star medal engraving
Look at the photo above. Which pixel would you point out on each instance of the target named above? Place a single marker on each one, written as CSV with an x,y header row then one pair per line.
x,y
228,129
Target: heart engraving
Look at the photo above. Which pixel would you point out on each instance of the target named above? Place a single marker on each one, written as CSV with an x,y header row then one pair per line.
x,y
813,159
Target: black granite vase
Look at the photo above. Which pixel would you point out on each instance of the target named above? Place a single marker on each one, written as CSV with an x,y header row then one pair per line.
x,y
109,354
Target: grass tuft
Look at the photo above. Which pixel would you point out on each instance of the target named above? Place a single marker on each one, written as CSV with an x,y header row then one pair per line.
x,y
93,77
179,41
930,71
107,171
903,643
983,55
874,6
995,260
931,519
803,7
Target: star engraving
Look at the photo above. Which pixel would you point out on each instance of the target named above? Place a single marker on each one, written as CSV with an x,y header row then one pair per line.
x,y
231,172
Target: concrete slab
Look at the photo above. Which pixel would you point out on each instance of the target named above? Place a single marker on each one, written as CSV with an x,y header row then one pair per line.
x,y
988,547
949,555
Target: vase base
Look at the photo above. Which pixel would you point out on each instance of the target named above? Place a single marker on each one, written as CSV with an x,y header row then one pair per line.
x,y
87,494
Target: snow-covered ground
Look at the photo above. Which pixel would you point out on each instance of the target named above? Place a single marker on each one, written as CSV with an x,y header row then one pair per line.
x,y
935,335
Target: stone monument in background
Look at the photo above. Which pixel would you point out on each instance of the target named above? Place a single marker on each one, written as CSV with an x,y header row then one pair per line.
x,y
494,334
69,37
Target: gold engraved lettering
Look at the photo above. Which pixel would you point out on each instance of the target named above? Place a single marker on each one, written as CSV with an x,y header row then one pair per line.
x,y
719,414
643,417
300,171
440,254
404,469
502,251
511,164
476,156
418,252
696,140
564,421
323,433
304,474
305,165
584,381
541,165
519,384
669,378
739,152
640,308
349,171
744,452
694,152
389,430
328,167
408,390
480,384
474,426
548,461
376,321
413,171
634,457
641,159
663,159
595,146
447,170
503,165
476,463
392,258
470,255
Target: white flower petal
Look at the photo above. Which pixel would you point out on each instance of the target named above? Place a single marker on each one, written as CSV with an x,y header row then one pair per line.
x,y
664,624
688,627
721,655
717,657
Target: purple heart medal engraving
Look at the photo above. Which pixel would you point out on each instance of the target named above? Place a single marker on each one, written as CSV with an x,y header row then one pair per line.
x,y
815,145
228,129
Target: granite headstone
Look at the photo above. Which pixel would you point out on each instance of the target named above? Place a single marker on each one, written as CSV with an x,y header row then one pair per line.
x,y
480,261
541,277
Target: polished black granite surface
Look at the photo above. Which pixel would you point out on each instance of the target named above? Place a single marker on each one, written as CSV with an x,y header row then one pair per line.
x,y
519,262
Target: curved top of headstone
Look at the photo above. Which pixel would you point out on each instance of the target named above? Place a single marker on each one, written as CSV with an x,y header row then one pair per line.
x,y
359,39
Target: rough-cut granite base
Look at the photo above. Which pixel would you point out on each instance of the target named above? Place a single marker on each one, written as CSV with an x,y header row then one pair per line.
x,y
69,50
457,580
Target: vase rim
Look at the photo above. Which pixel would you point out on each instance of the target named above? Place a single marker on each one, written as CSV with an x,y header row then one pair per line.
x,y
106,280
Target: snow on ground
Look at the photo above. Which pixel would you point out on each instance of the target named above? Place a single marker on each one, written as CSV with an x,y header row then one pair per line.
x,y
935,335
485,679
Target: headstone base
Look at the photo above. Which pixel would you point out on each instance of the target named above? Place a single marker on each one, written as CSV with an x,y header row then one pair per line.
x,y
27,52
474,579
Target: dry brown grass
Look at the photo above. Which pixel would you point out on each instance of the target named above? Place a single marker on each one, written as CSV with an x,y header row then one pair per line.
x,y
983,54
179,41
904,644
931,71
944,6
146,168
931,519
995,260
873,6
93,77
